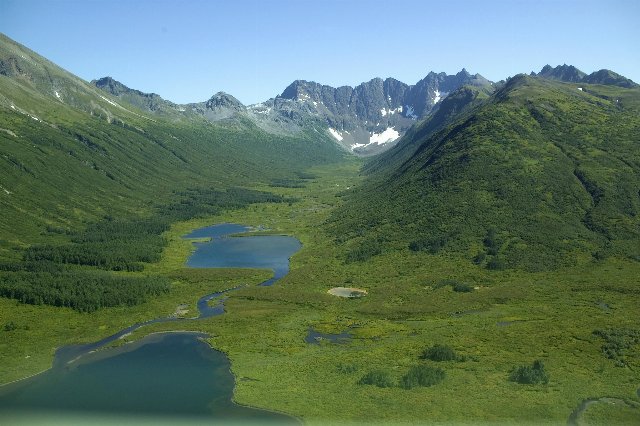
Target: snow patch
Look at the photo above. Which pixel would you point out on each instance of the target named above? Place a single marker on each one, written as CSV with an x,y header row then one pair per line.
x,y
336,134
389,135
390,111
57,95
580,89
357,145
437,97
109,101
411,113
6,191
13,107
9,132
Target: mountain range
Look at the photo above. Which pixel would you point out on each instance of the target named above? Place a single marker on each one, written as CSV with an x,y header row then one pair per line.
x,y
547,162
365,119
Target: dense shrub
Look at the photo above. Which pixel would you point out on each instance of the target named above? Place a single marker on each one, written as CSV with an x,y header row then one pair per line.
x,y
530,374
10,326
347,368
462,288
287,183
479,258
84,291
439,353
456,286
422,375
432,246
377,378
496,264
365,251
617,343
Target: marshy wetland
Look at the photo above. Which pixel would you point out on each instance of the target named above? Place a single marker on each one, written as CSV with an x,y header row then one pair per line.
x,y
174,374
547,316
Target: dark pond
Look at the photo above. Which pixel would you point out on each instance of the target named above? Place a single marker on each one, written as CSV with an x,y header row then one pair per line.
x,y
173,375
315,337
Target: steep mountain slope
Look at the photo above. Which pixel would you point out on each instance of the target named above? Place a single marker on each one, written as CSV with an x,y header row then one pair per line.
x,y
71,153
539,175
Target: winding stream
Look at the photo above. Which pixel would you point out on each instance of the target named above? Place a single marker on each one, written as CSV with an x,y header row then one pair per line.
x,y
167,374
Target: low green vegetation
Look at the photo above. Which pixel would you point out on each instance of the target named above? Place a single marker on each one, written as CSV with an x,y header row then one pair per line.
x,y
551,317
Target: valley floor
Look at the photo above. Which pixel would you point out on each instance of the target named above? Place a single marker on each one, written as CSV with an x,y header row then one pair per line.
x,y
510,319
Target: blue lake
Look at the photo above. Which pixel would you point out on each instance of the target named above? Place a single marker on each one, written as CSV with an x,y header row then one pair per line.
x,y
162,378
250,251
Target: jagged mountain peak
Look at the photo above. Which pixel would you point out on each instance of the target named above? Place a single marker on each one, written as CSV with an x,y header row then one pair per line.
x,y
463,73
223,99
371,116
564,72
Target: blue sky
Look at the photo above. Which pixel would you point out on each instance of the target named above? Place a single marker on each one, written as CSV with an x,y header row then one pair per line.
x,y
188,50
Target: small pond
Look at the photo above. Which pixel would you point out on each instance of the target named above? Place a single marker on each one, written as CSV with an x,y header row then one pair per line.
x,y
250,251
314,337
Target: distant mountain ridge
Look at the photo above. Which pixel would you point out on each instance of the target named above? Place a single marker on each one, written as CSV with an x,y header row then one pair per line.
x,y
571,74
366,119
145,101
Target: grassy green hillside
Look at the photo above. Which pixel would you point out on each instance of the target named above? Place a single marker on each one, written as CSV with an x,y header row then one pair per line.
x,y
88,182
540,175
70,154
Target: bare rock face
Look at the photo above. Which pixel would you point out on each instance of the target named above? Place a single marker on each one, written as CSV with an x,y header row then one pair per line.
x,y
370,117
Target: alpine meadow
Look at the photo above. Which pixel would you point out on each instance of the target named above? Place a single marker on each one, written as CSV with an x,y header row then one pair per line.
x,y
453,250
